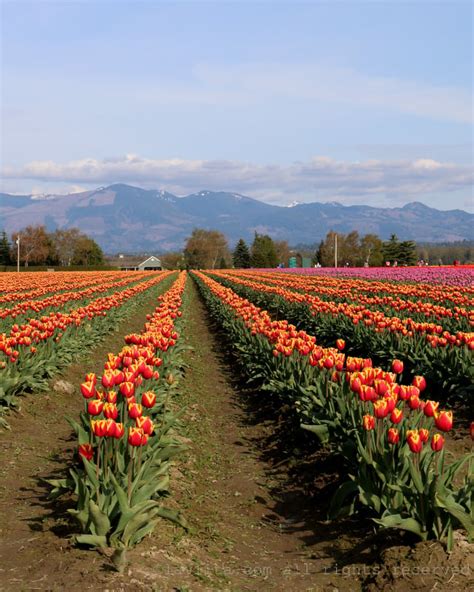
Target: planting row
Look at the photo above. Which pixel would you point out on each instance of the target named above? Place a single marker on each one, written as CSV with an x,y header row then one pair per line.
x,y
121,473
391,440
34,351
443,358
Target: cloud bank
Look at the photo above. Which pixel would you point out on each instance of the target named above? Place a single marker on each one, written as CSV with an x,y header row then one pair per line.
x,y
316,179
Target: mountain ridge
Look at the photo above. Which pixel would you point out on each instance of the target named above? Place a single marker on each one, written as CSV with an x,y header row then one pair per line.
x,y
122,216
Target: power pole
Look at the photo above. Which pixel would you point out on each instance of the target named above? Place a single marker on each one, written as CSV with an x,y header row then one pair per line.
x,y
335,250
18,254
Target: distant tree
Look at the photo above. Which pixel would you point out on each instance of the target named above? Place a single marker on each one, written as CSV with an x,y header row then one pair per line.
x,y
5,257
205,248
407,253
35,245
327,249
173,260
263,252
371,250
87,252
390,249
318,256
223,263
65,244
404,253
241,255
349,249
282,251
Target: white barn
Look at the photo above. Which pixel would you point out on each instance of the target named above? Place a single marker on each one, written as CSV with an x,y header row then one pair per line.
x,y
150,264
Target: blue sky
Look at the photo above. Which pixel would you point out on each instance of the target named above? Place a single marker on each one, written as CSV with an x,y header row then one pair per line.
x,y
356,102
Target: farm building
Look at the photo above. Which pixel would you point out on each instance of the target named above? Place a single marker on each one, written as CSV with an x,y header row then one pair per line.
x,y
150,264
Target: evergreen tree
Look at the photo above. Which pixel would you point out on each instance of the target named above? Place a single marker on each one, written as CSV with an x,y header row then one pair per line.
x,y
407,253
241,255
5,258
391,249
263,252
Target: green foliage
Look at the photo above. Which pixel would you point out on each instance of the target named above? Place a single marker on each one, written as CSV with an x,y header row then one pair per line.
x,y
263,252
5,258
205,248
403,253
241,255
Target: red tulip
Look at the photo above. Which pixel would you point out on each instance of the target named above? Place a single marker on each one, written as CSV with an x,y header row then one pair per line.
x,y
471,430
381,408
110,411
108,379
414,402
112,397
95,407
444,420
393,436
86,451
137,437
88,390
119,430
340,344
99,427
396,416
424,434
420,382
397,366
127,389
145,424
369,422
430,408
135,410
148,399
414,441
437,442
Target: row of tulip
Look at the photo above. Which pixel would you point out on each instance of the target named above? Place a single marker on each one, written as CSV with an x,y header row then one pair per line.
x,y
446,364
390,438
381,312
61,299
447,275
29,285
124,441
37,349
419,303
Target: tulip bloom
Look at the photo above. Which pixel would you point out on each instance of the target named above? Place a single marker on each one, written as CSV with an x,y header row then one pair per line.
x,y
99,427
414,402
108,379
148,399
393,436
86,451
135,410
119,430
88,390
112,397
369,422
424,434
91,377
381,408
419,382
137,437
110,411
444,420
430,408
397,366
127,389
95,407
145,424
471,430
437,442
340,344
414,441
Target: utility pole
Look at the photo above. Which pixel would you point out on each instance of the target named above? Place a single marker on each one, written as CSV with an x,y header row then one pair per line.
x,y
335,250
18,254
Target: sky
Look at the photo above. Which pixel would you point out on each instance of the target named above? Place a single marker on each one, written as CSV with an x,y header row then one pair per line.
x,y
355,102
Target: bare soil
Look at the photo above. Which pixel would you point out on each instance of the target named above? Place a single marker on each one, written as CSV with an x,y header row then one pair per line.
x,y
254,494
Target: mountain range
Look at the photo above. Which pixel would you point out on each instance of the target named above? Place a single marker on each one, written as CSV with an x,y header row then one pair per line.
x,y
129,219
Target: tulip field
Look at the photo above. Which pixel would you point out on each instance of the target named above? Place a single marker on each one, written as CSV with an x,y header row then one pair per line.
x,y
371,370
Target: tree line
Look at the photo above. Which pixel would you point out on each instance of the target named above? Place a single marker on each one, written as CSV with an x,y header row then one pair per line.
x,y
209,249
40,247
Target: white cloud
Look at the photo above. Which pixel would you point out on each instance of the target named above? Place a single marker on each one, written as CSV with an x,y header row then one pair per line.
x,y
321,178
